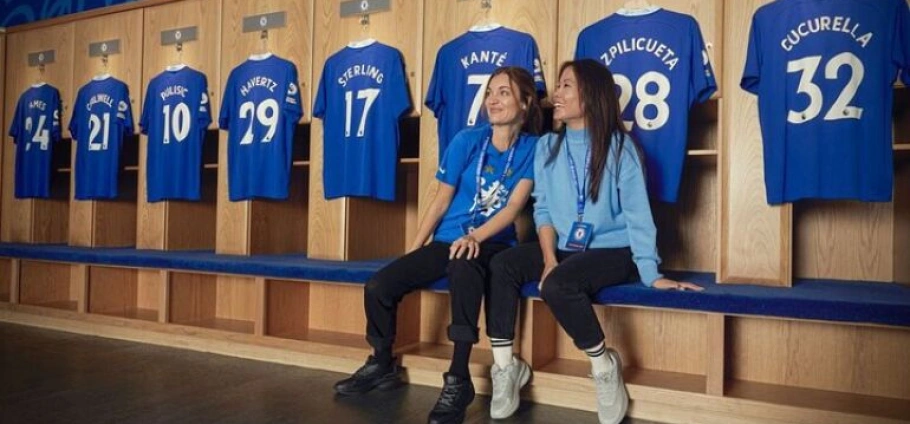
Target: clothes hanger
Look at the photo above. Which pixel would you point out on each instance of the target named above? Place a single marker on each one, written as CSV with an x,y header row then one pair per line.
x,y
637,7
486,22
40,80
105,74
365,39
179,65
264,52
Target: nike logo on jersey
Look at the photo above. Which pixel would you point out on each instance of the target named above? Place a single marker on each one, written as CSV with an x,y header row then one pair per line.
x,y
442,171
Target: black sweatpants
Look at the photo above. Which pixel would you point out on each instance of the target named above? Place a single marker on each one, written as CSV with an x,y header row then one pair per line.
x,y
467,285
568,289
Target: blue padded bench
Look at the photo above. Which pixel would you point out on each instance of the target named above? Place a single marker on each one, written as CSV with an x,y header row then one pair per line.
x,y
826,300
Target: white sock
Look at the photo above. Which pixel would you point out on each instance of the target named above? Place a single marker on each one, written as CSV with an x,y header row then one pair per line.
x,y
600,362
502,352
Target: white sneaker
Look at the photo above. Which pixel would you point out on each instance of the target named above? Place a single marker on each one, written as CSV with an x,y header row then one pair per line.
x,y
507,382
612,398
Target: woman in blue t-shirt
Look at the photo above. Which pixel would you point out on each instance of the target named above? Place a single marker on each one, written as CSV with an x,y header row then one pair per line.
x,y
486,177
596,230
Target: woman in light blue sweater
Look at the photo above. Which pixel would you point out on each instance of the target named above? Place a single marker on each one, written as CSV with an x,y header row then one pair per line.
x,y
596,230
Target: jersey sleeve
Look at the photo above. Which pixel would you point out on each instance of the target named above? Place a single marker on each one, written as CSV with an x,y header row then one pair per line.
x,y
227,104
320,104
902,47
534,65
76,117
56,110
703,83
455,159
400,101
436,94
580,46
144,117
204,117
125,111
752,72
526,172
292,102
15,129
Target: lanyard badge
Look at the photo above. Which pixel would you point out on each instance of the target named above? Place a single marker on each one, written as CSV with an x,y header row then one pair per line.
x,y
581,232
474,223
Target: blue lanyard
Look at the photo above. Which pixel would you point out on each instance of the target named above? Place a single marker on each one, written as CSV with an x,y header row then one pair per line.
x,y
478,198
579,188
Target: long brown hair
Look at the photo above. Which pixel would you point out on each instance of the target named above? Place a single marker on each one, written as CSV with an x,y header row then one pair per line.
x,y
520,78
603,119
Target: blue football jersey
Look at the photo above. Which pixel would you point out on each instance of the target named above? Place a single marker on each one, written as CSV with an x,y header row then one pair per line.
x,y
35,128
462,70
260,110
361,97
823,71
459,170
102,115
175,117
661,68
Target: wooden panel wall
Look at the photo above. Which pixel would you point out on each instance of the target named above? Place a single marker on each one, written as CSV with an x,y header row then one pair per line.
x,y
202,55
803,354
18,217
94,223
293,43
330,235
754,237
446,20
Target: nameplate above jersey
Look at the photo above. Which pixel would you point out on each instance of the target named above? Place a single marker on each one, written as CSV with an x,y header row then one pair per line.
x,y
41,58
104,48
363,7
265,21
179,35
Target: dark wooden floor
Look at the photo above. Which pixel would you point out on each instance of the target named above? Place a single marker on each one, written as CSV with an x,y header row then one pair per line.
x,y
55,377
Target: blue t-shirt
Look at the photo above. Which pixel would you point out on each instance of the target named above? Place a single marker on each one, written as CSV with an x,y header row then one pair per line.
x,y
459,169
175,117
102,115
823,71
362,95
462,70
35,128
260,110
661,69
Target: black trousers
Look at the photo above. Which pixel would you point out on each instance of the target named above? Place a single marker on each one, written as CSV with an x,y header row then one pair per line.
x,y
568,289
468,283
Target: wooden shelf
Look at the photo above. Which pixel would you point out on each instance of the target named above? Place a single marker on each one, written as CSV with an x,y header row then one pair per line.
x,y
210,166
437,357
702,153
132,313
578,372
300,163
819,399
901,147
69,305
232,325
409,161
333,338
131,168
64,170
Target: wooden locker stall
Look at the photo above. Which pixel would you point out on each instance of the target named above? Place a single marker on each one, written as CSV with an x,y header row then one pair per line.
x,y
265,226
38,220
754,238
687,230
179,225
110,222
346,228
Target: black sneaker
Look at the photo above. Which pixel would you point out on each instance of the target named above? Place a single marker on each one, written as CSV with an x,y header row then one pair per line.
x,y
457,394
372,375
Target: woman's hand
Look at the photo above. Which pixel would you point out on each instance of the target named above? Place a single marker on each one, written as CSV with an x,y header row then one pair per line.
x,y
547,269
466,246
668,284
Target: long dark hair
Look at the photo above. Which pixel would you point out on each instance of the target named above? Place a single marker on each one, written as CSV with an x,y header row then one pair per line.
x,y
520,78
603,119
